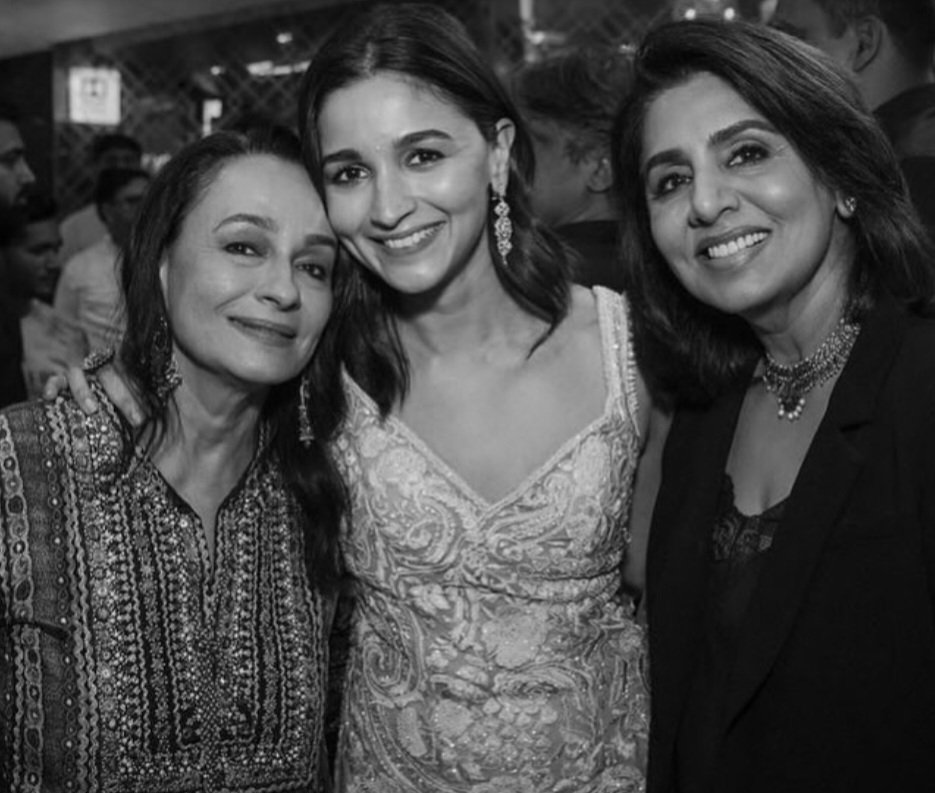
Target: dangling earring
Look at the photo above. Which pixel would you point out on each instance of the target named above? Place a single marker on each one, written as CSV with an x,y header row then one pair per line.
x,y
306,434
850,206
502,227
164,368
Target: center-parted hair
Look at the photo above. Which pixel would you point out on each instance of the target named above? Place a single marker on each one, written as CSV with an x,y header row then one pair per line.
x,y
309,472
692,351
427,45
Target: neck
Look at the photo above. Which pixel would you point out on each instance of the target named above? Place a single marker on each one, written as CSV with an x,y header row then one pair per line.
x,y
878,88
467,315
598,207
211,432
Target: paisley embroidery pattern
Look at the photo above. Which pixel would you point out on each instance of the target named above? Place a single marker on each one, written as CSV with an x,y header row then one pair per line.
x,y
492,649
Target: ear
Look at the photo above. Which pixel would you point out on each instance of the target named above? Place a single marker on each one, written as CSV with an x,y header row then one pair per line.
x,y
870,32
600,175
845,206
164,278
500,154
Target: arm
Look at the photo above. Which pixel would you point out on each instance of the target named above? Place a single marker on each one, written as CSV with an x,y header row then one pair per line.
x,y
112,380
648,476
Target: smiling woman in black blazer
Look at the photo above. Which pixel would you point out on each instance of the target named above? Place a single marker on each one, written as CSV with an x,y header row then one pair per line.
x,y
782,291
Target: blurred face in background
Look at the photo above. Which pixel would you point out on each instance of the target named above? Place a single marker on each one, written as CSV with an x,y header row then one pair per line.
x,y
808,21
118,158
32,261
561,189
15,174
120,212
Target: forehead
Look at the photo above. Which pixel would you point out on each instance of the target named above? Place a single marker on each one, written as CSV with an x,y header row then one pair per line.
x,y
687,114
264,185
9,137
42,231
386,103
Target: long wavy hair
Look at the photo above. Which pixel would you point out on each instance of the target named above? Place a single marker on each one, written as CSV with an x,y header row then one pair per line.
x,y
309,471
687,350
428,45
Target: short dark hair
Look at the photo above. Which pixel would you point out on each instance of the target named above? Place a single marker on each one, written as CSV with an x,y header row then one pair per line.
x,y
9,112
35,208
427,44
112,181
687,348
911,23
114,141
580,90
309,471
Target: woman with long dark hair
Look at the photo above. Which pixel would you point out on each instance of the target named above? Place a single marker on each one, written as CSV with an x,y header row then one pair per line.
x,y
165,590
495,419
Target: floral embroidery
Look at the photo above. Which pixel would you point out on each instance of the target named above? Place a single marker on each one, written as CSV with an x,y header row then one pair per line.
x,y
492,651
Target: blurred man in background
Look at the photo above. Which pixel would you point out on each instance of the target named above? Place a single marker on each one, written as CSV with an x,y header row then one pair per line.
x,y
88,292
569,101
15,179
29,258
83,228
889,46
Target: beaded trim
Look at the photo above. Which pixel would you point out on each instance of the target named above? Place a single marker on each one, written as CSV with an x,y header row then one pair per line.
x,y
790,384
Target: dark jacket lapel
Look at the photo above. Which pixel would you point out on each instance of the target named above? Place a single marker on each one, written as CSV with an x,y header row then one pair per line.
x,y
815,503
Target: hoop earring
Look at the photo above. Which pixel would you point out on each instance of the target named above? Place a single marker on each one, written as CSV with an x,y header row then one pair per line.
x,y
164,369
306,433
503,227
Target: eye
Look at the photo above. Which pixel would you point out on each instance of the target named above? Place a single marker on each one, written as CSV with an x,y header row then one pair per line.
x,y
748,153
424,157
669,182
347,174
317,270
240,248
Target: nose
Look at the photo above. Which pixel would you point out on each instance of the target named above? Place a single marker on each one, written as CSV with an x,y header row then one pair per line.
x,y
24,173
392,200
278,286
711,196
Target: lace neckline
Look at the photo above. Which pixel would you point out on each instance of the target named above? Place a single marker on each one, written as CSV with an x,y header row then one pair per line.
x,y
612,393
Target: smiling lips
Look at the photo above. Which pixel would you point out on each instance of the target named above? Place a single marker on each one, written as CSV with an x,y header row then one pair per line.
x,y
270,332
412,240
724,249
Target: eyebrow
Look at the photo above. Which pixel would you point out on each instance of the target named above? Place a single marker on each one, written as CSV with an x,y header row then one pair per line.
x,y
717,138
410,139
268,224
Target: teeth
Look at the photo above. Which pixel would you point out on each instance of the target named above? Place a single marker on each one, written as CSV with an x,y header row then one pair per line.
x,y
734,246
408,242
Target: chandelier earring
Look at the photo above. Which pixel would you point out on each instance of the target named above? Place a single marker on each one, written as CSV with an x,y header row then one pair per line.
x,y
164,368
502,226
306,433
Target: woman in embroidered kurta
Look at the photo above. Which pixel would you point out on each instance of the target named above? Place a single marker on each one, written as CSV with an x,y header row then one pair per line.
x,y
162,611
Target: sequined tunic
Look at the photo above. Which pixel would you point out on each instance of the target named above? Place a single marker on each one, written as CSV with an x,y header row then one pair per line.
x,y
124,665
493,651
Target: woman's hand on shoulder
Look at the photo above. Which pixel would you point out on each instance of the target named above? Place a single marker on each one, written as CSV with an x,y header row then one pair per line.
x,y
111,380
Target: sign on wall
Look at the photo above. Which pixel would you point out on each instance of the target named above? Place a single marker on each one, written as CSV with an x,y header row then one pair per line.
x,y
93,95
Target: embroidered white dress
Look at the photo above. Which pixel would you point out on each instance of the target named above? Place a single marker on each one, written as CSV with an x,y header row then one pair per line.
x,y
492,648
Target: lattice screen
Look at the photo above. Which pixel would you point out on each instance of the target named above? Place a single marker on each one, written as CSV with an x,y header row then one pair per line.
x,y
169,73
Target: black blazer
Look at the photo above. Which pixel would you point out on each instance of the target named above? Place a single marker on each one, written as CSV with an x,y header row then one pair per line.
x,y
833,688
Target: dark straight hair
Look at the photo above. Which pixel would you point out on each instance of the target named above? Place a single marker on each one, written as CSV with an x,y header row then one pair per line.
x,y
423,43
688,349
309,471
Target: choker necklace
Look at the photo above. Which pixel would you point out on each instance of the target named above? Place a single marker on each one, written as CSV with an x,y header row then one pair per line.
x,y
790,384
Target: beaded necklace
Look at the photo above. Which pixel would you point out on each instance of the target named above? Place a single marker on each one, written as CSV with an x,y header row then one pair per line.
x,y
789,384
